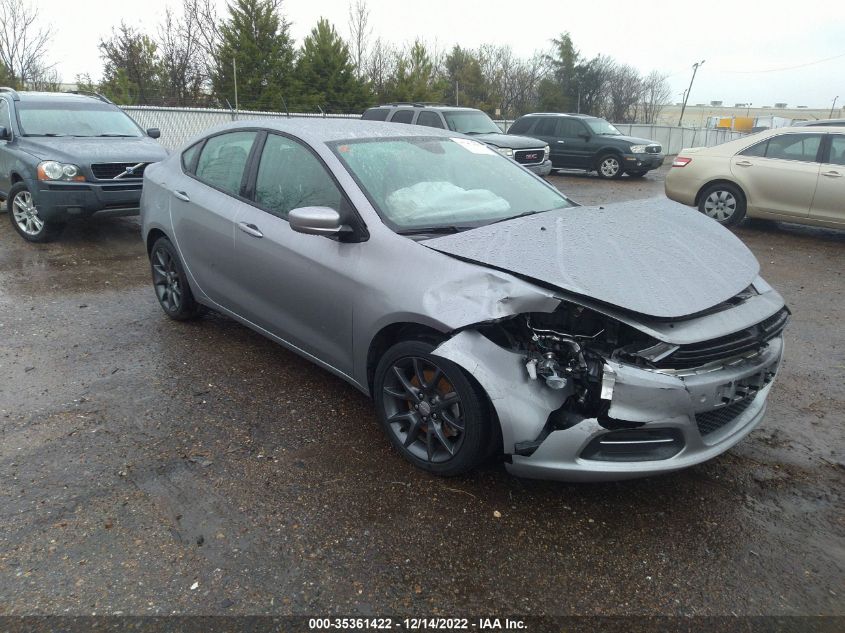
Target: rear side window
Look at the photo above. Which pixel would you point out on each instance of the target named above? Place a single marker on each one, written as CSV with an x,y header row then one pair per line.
x,y
546,126
798,147
189,158
837,149
223,159
430,119
521,126
402,116
290,177
375,114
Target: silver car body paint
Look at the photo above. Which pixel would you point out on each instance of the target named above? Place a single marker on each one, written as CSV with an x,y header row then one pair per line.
x,y
442,283
654,257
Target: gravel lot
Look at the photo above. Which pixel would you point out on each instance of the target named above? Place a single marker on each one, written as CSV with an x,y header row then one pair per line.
x,y
152,467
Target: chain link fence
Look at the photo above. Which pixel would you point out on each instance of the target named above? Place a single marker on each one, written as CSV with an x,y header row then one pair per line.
x,y
177,125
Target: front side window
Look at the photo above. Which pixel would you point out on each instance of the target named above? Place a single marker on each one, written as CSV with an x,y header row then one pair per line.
x,y
189,157
223,159
402,116
800,147
429,119
5,120
837,149
290,177
471,122
455,183
84,119
600,127
570,128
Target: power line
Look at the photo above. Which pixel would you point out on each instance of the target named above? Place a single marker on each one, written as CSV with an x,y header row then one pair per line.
x,y
777,70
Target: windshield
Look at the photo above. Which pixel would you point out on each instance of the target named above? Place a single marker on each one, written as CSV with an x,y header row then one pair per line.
x,y
471,122
448,183
600,127
63,119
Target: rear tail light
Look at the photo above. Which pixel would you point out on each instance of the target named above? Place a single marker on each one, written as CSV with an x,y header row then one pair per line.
x,y
681,161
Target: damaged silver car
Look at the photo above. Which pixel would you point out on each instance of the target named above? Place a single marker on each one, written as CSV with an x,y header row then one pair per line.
x,y
482,310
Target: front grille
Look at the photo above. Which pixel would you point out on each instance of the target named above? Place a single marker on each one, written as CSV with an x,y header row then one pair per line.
x,y
109,171
743,342
711,421
529,156
653,149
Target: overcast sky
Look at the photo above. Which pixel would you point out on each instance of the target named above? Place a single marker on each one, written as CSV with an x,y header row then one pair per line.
x,y
738,40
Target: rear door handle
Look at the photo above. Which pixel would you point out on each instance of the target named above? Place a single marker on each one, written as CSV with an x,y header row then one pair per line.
x,y
744,163
250,229
832,174
182,196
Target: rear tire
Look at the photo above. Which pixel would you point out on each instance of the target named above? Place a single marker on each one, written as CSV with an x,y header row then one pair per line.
x,y
24,217
171,283
723,202
609,167
430,410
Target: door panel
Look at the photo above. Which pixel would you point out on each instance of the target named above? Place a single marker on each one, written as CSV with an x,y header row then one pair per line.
x,y
829,201
545,129
203,211
784,179
293,285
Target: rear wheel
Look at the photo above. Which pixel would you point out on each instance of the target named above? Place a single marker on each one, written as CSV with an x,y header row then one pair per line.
x,y
431,411
609,166
25,217
724,203
170,282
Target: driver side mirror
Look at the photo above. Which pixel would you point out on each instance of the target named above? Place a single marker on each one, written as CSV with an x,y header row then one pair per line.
x,y
585,135
317,221
4,134
153,132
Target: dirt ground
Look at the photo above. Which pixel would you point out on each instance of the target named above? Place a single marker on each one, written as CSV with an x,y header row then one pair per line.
x,y
153,467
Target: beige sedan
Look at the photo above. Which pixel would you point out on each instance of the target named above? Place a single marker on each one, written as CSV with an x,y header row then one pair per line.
x,y
793,174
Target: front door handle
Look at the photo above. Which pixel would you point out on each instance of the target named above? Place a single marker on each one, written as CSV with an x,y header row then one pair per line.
x,y
832,174
250,229
182,196
561,142
744,163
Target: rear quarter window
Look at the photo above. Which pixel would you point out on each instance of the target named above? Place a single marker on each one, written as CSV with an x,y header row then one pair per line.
x,y
402,116
375,114
521,126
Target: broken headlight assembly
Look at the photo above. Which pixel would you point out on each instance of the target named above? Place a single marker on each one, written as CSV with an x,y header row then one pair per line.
x,y
567,349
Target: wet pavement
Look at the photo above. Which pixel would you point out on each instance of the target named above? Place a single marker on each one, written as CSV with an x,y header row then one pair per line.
x,y
154,467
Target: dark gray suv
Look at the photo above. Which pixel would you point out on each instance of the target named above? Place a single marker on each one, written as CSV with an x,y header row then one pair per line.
x,y
531,153
65,155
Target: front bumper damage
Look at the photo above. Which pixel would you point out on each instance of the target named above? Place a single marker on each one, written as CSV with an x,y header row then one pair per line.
x,y
656,421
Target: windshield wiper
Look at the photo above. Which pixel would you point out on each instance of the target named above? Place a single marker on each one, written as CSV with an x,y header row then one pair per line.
x,y
446,229
47,134
519,215
118,135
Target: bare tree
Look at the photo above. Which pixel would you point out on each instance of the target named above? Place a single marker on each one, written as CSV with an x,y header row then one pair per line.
x,y
201,19
379,67
23,43
624,89
359,34
181,60
656,93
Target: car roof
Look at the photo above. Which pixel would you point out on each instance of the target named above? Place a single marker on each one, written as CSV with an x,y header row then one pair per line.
x,y
823,122
442,107
816,129
316,130
571,115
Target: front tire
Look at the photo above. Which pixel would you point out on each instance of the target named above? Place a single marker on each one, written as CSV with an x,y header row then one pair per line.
x,y
724,203
636,174
609,167
170,282
25,218
430,410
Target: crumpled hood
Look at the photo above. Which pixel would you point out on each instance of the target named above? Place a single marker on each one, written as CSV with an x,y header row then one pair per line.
x,y
84,151
654,257
509,140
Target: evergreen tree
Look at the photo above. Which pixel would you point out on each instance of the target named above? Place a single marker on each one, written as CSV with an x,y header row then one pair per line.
x,y
414,78
131,70
467,85
326,75
256,37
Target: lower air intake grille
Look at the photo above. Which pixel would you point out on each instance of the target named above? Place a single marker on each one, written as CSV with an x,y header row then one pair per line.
x,y
711,421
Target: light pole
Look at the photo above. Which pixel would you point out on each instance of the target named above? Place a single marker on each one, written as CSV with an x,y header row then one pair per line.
x,y
689,90
832,106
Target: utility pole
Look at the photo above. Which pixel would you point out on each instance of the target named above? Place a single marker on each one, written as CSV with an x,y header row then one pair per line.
x,y
832,106
235,72
689,90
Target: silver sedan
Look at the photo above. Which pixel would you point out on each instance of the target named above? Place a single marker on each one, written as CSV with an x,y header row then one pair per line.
x,y
483,311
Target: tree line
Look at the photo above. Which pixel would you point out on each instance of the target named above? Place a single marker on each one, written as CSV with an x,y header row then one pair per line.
x,y
247,59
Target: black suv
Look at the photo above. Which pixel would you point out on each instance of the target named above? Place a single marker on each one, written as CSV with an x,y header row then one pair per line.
x,y
528,152
65,155
579,141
